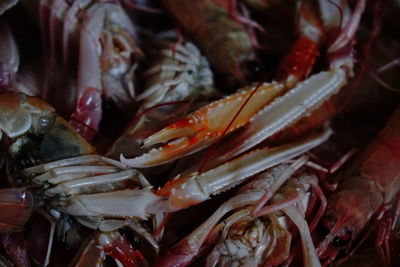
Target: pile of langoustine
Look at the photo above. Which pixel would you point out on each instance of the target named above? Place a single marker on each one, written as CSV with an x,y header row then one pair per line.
x,y
202,132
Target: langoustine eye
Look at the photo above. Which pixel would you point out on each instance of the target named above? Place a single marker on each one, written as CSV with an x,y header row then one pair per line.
x,y
343,236
342,239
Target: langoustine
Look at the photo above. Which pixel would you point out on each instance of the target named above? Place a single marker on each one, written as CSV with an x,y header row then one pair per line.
x,y
223,39
88,35
363,192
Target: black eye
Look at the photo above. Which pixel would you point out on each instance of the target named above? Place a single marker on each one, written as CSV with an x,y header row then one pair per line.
x,y
252,69
190,72
342,239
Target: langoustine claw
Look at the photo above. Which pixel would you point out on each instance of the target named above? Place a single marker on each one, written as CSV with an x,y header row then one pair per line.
x,y
83,182
194,132
192,189
204,126
262,115
307,95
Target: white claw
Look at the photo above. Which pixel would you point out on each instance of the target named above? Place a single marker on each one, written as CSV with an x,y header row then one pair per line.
x,y
257,161
284,111
75,161
94,183
200,187
64,174
124,204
